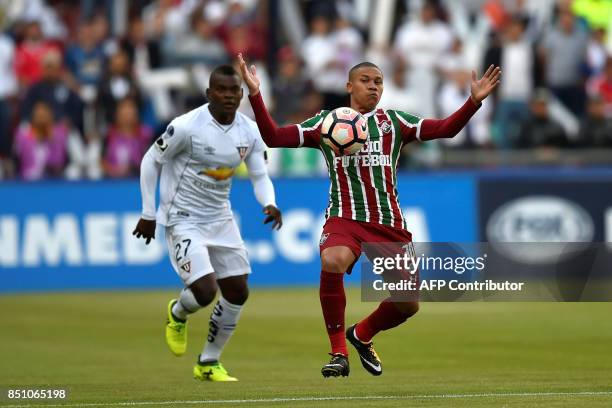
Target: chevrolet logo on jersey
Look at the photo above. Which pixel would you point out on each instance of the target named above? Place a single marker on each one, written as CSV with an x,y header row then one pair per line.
x,y
221,173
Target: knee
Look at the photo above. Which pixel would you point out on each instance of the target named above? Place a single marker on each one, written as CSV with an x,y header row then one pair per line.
x,y
408,308
336,261
237,295
204,295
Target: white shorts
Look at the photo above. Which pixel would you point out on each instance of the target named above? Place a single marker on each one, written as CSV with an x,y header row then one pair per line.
x,y
197,250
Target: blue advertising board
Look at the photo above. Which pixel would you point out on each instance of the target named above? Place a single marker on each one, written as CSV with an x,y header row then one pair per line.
x,y
78,235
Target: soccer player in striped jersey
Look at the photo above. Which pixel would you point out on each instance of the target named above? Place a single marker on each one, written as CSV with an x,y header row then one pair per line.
x,y
363,204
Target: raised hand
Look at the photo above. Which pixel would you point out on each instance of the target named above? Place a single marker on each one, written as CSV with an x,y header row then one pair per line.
x,y
481,88
249,76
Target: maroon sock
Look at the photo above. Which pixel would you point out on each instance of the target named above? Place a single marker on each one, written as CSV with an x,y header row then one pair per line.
x,y
333,302
386,316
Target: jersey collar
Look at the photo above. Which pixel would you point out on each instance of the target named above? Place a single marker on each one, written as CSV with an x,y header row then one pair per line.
x,y
370,113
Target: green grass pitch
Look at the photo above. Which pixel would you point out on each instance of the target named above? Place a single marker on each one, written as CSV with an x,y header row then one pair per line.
x,y
108,349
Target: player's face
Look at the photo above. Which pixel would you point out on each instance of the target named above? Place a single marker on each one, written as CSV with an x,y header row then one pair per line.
x,y
365,87
225,94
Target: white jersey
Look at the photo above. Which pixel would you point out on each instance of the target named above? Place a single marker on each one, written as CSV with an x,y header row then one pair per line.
x,y
198,157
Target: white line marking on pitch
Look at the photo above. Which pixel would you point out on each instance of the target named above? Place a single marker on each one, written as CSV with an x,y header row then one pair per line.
x,y
339,398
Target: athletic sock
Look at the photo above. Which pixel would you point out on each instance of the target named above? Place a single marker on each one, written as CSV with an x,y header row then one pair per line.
x,y
222,324
333,302
385,317
186,304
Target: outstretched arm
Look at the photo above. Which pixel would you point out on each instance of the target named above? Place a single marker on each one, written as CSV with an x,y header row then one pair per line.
x,y
272,135
431,129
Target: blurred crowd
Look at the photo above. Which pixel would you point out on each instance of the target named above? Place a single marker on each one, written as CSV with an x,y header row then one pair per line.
x,y
86,86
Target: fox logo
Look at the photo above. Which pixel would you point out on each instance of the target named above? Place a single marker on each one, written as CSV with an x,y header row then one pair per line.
x,y
323,238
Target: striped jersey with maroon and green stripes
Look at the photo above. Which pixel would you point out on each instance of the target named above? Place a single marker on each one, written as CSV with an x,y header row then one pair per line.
x,y
363,185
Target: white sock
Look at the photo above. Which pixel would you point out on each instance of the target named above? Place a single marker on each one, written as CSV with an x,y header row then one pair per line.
x,y
222,324
186,305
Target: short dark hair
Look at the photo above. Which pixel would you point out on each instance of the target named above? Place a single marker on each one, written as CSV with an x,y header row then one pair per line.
x,y
365,64
224,70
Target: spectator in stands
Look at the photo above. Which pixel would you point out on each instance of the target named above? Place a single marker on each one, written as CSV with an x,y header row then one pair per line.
x,y
8,89
126,142
167,17
40,145
319,52
290,87
144,52
518,57
421,42
118,83
397,94
52,89
242,33
348,43
539,129
30,54
86,58
564,50
602,86
101,33
596,128
198,45
454,92
597,52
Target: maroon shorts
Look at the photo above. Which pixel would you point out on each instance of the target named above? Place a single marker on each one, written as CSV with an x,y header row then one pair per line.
x,y
350,233
389,242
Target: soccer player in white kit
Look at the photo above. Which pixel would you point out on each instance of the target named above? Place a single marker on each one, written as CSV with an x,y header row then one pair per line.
x,y
196,158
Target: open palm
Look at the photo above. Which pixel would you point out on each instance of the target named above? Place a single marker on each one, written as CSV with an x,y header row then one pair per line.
x,y
481,88
249,76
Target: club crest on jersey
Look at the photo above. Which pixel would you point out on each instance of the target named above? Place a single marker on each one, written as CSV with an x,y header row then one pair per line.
x,y
385,126
209,150
323,238
186,266
242,151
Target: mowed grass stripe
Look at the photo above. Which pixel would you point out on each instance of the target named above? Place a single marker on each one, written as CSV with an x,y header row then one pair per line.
x,y
108,348
315,399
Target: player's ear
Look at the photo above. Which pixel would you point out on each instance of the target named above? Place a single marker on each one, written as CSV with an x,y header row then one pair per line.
x,y
349,87
207,93
241,93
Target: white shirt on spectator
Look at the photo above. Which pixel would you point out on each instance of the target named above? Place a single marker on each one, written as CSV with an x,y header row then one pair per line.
x,y
517,60
8,84
422,44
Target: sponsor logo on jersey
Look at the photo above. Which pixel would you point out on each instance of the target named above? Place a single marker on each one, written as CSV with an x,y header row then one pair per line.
x,y
242,151
186,266
170,131
221,173
375,160
209,150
